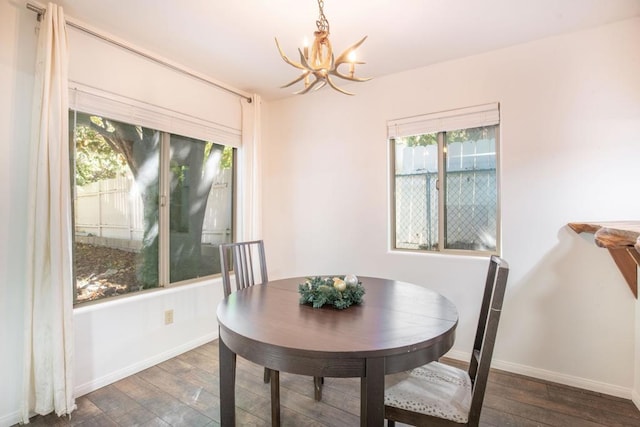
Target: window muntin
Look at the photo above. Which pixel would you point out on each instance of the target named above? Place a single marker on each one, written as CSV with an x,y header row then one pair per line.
x,y
150,207
445,190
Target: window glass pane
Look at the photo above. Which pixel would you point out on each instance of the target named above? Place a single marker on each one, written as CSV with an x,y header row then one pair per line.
x,y
200,210
471,189
416,197
115,206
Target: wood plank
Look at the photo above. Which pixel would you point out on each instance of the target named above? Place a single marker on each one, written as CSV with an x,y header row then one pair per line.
x,y
592,226
536,412
627,265
609,237
597,402
611,234
584,227
572,407
622,239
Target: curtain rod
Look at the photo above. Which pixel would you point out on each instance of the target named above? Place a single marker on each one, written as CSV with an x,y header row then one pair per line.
x,y
41,11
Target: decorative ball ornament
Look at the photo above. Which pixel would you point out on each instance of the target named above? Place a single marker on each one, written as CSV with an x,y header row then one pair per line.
x,y
351,279
339,284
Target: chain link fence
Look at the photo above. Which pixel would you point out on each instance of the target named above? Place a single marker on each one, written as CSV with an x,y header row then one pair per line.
x,y
470,210
416,211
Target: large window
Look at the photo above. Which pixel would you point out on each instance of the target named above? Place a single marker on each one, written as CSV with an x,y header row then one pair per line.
x,y
150,207
444,181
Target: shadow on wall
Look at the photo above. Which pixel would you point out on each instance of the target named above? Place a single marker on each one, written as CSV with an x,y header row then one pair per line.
x,y
569,312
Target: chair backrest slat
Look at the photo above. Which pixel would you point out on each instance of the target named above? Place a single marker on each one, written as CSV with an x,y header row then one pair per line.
x,y
486,333
242,256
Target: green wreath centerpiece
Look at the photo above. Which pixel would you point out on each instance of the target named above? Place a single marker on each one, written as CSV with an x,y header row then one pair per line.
x,y
340,292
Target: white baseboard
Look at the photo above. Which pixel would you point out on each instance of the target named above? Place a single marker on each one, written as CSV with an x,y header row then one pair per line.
x,y
543,374
10,419
635,398
97,383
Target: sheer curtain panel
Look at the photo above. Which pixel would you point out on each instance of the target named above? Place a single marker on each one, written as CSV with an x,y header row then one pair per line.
x,y
48,366
250,225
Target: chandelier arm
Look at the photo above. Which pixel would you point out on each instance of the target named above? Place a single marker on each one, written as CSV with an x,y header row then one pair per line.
x,y
346,77
343,57
287,60
304,62
296,80
308,88
336,87
323,83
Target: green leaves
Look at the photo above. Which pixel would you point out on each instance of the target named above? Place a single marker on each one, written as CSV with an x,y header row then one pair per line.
x,y
95,158
461,135
319,291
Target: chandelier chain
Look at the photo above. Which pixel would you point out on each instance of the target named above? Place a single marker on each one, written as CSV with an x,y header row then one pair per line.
x,y
322,23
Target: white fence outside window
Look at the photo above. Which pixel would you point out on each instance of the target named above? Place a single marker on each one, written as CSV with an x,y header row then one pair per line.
x,y
110,213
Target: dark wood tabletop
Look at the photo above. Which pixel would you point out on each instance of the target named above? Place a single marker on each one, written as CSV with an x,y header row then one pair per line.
x,y
397,327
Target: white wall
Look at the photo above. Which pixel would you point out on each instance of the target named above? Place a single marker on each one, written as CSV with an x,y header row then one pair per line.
x,y
570,108
118,338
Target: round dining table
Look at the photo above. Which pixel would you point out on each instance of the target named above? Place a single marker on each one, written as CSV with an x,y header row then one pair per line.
x,y
398,326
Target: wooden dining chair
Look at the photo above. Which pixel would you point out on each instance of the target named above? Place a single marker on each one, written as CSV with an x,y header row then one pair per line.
x,y
248,263
441,395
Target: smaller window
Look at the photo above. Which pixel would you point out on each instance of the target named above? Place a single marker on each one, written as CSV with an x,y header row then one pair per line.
x,y
444,181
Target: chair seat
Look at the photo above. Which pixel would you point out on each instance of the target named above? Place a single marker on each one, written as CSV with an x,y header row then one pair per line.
x,y
434,389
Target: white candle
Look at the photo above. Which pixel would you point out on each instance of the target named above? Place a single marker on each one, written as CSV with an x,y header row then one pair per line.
x,y
352,62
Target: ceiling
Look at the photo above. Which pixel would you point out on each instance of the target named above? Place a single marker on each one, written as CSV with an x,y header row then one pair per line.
x,y
232,41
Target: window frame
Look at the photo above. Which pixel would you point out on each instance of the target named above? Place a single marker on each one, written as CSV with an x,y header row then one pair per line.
x,y
92,101
413,123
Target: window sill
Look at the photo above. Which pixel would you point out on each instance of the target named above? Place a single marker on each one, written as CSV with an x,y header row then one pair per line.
x,y
146,294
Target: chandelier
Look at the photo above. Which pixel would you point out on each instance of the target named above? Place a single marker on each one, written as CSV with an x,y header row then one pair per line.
x,y
320,64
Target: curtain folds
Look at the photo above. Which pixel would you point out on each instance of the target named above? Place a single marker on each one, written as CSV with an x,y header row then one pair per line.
x,y
48,369
251,176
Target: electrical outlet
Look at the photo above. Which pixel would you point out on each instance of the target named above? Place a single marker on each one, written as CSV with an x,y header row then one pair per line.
x,y
168,317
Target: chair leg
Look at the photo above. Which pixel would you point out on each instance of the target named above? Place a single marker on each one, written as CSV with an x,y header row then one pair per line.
x,y
266,375
275,397
317,387
391,423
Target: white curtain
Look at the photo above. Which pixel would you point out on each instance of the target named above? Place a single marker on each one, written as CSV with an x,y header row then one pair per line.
x,y
251,177
48,381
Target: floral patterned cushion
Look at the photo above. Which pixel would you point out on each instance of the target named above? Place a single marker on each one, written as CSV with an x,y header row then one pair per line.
x,y
434,389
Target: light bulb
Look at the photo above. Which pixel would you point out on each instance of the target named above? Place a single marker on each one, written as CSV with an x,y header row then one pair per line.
x,y
305,47
351,57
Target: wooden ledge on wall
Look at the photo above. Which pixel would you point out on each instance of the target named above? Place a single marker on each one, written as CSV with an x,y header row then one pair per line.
x,y
622,239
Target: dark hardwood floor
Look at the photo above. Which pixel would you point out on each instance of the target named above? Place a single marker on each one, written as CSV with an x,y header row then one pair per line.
x,y
183,391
